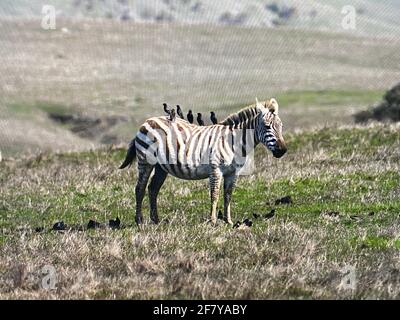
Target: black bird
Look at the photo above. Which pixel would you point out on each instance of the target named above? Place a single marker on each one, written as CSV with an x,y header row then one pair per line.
x,y
213,118
179,111
39,229
256,215
284,200
247,222
190,116
199,119
270,214
172,115
114,224
237,224
166,109
59,226
93,225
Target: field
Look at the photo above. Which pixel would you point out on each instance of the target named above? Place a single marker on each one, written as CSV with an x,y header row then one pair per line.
x,y
343,178
127,70
344,184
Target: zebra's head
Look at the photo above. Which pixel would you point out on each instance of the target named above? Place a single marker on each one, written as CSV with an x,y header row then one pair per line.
x,y
269,127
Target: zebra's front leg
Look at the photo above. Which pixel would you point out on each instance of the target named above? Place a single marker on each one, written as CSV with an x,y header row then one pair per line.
x,y
154,187
229,184
215,185
144,171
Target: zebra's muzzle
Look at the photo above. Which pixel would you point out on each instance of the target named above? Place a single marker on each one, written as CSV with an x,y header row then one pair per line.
x,y
277,153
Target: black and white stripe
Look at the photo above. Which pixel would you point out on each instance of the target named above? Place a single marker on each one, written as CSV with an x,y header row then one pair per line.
x,y
188,151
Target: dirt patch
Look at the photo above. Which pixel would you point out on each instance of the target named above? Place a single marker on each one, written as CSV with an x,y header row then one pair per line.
x,y
89,127
388,109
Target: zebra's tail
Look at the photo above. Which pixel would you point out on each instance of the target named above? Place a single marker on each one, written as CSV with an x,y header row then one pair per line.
x,y
130,155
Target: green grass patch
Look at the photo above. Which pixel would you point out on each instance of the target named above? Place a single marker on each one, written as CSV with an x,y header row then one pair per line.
x,y
329,97
51,107
29,109
318,98
339,143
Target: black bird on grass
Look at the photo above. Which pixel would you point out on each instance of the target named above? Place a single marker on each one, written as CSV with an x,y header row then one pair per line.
x,y
179,111
213,118
247,222
190,116
199,119
237,224
284,200
59,226
270,214
92,224
114,224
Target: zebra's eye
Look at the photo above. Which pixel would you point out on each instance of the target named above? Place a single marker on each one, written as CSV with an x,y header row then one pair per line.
x,y
268,126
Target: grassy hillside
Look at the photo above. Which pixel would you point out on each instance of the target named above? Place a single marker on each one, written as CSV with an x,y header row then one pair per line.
x,y
101,69
344,183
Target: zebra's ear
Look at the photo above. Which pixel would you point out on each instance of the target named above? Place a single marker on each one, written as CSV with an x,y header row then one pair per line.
x,y
259,105
273,106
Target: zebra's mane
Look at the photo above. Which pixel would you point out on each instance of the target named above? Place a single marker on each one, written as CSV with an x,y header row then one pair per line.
x,y
246,114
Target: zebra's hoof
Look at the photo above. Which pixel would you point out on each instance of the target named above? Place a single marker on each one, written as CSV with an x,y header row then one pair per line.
x,y
139,220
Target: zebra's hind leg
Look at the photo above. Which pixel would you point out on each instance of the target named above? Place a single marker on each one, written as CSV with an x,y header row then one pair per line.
x,y
229,184
144,171
154,187
215,185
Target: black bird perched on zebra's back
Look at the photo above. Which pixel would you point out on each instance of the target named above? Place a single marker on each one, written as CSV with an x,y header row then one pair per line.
x,y
190,116
199,119
179,111
170,112
172,115
213,118
166,109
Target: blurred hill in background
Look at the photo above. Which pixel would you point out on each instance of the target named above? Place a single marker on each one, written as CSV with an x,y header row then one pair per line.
x,y
109,64
373,17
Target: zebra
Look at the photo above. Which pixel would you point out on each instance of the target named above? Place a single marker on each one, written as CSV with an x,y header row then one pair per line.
x,y
192,152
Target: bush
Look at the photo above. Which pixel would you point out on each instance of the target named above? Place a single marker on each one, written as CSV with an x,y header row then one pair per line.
x,y
388,109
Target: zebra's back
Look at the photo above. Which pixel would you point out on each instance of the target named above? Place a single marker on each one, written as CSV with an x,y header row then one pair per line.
x,y
182,149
